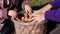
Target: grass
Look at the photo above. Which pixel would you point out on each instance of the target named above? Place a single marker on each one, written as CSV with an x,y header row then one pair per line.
x,y
36,4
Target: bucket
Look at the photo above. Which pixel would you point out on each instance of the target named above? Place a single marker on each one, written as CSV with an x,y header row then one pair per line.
x,y
29,28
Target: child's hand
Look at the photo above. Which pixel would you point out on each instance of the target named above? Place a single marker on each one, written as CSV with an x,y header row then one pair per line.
x,y
12,13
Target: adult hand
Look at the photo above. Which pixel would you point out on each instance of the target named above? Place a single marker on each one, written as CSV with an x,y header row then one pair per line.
x,y
36,17
28,9
12,13
39,15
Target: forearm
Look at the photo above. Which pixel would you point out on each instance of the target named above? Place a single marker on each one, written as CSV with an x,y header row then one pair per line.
x,y
48,14
53,4
45,8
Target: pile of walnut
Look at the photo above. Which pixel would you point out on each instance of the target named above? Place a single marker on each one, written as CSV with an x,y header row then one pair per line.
x,y
25,18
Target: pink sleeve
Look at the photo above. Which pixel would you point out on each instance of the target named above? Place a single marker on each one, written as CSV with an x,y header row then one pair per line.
x,y
24,3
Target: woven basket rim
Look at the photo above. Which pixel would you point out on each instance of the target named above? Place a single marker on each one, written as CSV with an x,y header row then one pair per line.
x,y
24,23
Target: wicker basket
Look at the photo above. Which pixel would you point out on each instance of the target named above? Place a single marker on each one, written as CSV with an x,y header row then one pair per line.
x,y
29,28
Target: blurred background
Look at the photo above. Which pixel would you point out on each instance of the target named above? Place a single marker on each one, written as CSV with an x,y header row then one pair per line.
x,y
36,4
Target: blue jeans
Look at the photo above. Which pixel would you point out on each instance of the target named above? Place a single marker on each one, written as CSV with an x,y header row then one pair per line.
x,y
0,33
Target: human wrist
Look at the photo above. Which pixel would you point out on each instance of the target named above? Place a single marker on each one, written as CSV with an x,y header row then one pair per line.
x,y
24,4
44,9
28,8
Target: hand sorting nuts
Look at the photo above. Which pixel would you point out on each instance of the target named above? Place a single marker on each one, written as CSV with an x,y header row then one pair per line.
x,y
25,18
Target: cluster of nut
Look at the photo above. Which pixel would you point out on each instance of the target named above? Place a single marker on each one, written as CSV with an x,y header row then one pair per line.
x,y
25,18
30,30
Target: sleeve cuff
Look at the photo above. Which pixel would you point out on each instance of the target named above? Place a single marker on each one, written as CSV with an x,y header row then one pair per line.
x,y
49,15
53,15
55,4
25,2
